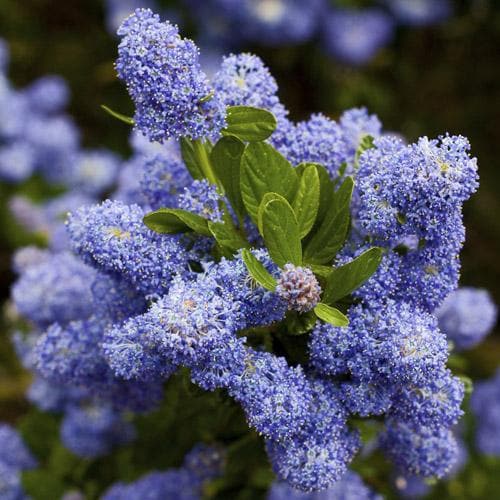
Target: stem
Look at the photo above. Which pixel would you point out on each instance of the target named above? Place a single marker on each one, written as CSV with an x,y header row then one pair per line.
x,y
204,161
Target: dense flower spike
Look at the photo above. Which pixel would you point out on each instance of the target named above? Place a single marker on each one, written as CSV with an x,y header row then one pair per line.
x,y
164,79
113,237
93,431
299,288
349,487
202,198
56,290
202,464
243,79
422,451
467,316
275,396
14,458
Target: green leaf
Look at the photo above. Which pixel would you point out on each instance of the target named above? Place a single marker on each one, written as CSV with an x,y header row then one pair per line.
x,y
365,143
227,237
326,191
257,270
123,118
264,170
345,279
331,315
331,234
41,484
298,324
190,158
281,233
468,383
175,220
306,202
249,124
322,271
226,161
265,200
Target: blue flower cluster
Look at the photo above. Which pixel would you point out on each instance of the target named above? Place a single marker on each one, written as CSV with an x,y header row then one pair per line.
x,y
466,316
117,308
36,136
14,458
485,404
203,463
172,95
350,487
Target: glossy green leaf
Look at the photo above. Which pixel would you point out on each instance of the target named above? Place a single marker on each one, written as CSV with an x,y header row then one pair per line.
x,y
321,271
331,234
326,191
123,118
227,237
249,124
265,200
264,170
365,143
190,158
331,315
175,220
345,279
226,161
281,233
306,201
257,271
299,324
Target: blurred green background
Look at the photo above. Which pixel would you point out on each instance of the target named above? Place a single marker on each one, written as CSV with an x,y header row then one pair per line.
x,y
428,81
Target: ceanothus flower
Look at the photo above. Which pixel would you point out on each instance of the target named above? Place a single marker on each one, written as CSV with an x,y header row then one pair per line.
x,y
485,404
415,189
115,300
10,483
275,396
92,172
202,198
244,80
13,451
92,431
357,123
318,454
113,237
28,256
257,306
349,487
48,396
396,345
275,22
432,404
466,316
17,161
420,450
48,94
203,463
70,354
171,93
55,139
420,12
299,288
355,36
317,140
164,177
55,290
